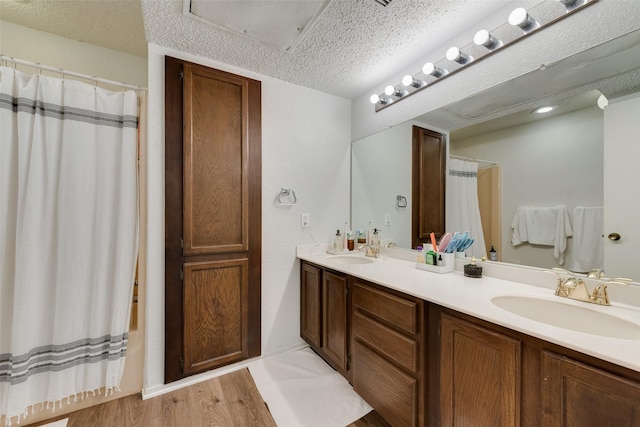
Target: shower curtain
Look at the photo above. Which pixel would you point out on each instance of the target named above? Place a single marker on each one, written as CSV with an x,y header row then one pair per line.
x,y
68,238
463,210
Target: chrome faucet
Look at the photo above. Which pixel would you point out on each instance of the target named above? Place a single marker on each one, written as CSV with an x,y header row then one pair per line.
x,y
575,288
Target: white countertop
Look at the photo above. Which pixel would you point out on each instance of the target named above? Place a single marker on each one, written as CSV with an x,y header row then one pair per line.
x,y
473,297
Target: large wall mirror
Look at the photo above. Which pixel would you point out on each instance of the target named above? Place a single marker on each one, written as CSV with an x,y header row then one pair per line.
x,y
537,160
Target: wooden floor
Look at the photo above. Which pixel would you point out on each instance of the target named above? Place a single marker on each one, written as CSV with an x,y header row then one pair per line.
x,y
228,400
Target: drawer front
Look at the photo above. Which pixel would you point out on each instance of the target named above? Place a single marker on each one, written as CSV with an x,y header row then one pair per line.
x,y
400,312
395,346
391,392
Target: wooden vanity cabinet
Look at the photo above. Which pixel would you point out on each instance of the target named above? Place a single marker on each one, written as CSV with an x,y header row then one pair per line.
x,y
420,364
388,366
489,375
479,375
575,394
324,316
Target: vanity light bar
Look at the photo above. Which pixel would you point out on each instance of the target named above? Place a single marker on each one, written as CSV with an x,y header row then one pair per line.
x,y
521,23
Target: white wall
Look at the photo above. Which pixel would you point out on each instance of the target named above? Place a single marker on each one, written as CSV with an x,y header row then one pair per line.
x,y
556,161
306,147
602,21
59,52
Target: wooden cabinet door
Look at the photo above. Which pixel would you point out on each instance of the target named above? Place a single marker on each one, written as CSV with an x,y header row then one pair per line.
x,y
574,394
215,294
479,377
427,185
213,218
334,319
311,305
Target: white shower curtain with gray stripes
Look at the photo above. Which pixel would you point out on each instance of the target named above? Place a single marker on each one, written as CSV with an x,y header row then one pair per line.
x,y
68,238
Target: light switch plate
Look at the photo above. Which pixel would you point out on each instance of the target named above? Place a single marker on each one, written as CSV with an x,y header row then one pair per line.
x,y
304,220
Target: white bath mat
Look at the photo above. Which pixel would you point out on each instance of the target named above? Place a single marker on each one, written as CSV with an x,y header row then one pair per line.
x,y
300,389
59,423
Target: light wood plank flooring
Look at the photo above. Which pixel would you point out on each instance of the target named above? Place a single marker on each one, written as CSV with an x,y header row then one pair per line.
x,y
228,400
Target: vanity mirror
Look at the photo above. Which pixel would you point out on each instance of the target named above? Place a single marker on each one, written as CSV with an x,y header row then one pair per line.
x,y
565,158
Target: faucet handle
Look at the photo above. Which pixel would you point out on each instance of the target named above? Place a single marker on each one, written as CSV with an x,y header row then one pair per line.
x,y
600,294
596,273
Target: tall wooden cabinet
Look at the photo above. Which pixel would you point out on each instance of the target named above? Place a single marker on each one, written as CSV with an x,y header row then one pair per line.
x,y
213,218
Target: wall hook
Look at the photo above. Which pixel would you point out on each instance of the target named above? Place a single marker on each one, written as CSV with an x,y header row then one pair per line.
x,y
287,197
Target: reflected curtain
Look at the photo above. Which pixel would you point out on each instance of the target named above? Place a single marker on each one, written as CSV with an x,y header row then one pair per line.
x,y
463,209
68,238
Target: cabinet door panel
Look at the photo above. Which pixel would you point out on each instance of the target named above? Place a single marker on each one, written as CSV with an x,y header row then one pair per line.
x,y
311,305
480,376
334,319
215,163
578,395
392,393
215,312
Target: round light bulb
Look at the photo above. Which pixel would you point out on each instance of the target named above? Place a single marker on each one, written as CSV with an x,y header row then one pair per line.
x,y
389,90
428,68
519,17
602,102
453,53
407,80
375,98
481,37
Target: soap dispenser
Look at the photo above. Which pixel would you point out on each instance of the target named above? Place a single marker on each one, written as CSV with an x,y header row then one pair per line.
x,y
338,244
375,238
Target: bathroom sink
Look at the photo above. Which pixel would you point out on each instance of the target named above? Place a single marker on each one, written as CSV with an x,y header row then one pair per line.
x,y
350,259
571,317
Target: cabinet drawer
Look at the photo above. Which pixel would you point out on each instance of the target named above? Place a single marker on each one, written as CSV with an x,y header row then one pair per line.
x,y
395,346
391,392
400,312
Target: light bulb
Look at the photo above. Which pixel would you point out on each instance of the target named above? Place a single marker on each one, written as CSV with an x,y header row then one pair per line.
x,y
408,80
543,110
389,90
374,99
520,18
602,102
455,54
430,69
484,38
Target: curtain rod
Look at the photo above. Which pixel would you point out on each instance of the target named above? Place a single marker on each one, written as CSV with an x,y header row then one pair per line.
x,y
64,72
472,159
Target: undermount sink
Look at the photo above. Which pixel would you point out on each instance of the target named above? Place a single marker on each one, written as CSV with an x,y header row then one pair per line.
x,y
350,259
571,317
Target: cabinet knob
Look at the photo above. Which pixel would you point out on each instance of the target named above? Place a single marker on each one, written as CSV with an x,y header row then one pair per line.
x,y
614,236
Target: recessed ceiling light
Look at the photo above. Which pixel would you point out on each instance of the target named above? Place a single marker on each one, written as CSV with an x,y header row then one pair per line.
x,y
542,110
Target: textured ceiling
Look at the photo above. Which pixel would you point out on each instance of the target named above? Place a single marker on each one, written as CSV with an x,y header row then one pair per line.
x,y
352,46
115,24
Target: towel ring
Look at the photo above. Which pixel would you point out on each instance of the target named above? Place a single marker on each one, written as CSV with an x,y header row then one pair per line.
x,y
287,197
401,201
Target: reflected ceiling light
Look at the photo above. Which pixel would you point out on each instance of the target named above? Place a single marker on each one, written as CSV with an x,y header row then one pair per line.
x,y
521,18
392,91
430,69
602,102
455,54
409,81
542,110
484,38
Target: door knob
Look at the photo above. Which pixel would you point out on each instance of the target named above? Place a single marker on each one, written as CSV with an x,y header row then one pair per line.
x,y
614,236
